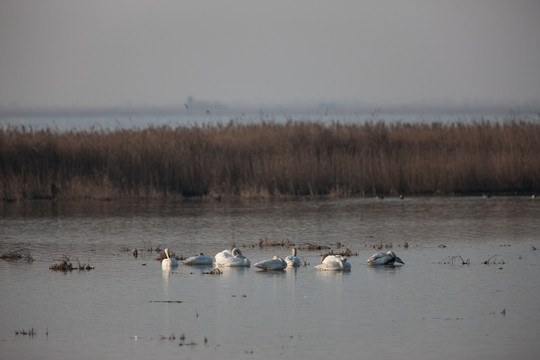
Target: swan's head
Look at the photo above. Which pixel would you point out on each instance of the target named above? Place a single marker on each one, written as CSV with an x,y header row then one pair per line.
x,y
293,251
393,255
167,253
237,253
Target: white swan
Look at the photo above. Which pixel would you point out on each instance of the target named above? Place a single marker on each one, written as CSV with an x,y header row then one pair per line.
x,y
275,263
199,260
334,263
381,258
292,260
168,262
232,258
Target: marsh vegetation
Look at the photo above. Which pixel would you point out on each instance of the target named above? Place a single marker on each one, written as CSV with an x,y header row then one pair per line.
x,y
269,160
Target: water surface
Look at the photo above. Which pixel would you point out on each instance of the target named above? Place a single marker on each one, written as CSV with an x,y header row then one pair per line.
x,y
128,307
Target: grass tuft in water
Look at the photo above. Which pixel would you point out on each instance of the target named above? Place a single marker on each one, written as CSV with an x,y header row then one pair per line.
x,y
17,254
31,333
455,260
65,265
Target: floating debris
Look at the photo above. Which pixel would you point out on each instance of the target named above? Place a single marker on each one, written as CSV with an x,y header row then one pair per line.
x,y
166,301
17,254
380,246
170,337
31,332
81,267
273,243
347,253
214,271
66,265
63,266
533,248
188,344
172,255
310,246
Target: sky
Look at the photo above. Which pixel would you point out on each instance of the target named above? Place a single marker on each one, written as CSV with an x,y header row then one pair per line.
x,y
102,53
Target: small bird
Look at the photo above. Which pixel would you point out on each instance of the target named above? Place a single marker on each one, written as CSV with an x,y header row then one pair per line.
x,y
168,262
382,258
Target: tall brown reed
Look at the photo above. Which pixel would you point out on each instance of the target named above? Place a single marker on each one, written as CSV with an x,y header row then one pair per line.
x,y
271,160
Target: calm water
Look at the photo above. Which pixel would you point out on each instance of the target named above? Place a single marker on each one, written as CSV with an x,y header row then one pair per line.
x,y
128,308
70,122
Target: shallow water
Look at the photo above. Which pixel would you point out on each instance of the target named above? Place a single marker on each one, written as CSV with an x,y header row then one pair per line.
x,y
128,307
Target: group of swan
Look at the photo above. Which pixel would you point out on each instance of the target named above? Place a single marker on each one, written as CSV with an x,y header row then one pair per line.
x,y
340,263
234,258
277,263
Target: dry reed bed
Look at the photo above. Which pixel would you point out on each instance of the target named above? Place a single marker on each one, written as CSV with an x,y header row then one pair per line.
x,y
270,160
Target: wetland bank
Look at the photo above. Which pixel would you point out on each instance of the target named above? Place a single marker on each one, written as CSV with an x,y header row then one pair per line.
x,y
271,160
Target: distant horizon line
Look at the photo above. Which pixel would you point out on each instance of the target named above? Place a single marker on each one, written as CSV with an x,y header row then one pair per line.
x,y
209,107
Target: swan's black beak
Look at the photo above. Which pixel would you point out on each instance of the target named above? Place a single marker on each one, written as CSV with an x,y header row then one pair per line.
x,y
399,260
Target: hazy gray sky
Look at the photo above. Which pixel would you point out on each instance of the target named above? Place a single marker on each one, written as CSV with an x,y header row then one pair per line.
x,y
120,52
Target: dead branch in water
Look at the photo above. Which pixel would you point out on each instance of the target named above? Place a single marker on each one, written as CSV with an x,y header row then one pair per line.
x,y
214,271
495,259
453,260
